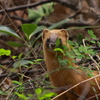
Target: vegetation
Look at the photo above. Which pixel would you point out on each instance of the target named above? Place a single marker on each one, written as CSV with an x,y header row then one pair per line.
x,y
79,51
23,73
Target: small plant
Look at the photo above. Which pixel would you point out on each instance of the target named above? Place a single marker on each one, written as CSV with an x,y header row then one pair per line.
x,y
28,29
20,61
41,12
5,52
44,94
78,51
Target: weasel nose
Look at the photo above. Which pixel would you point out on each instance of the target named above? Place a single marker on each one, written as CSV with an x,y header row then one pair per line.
x,y
52,45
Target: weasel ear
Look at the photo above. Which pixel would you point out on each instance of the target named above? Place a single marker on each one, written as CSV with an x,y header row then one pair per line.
x,y
66,33
44,32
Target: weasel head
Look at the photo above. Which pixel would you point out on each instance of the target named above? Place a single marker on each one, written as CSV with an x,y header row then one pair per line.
x,y
50,38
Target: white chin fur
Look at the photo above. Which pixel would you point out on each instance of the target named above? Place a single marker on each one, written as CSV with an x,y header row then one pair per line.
x,y
50,46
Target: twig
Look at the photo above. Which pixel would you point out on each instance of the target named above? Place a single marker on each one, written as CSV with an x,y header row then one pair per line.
x,y
6,5
10,93
15,74
63,2
3,81
49,24
4,43
25,6
93,97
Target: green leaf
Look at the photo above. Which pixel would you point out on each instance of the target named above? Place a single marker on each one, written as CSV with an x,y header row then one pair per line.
x,y
34,14
18,83
58,42
28,29
30,95
48,8
13,57
92,41
91,33
71,67
45,94
90,52
46,75
2,93
20,55
5,52
39,60
70,54
63,62
2,66
39,28
58,49
82,48
70,42
80,38
65,48
51,9
38,14
15,44
75,51
21,96
9,31
21,63
58,24
40,10
98,43
90,74
38,91
48,93
37,20
8,52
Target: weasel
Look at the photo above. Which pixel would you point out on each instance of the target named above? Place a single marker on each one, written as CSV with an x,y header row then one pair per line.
x,y
61,77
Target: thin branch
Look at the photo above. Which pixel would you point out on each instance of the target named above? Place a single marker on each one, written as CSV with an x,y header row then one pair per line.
x,y
49,24
25,6
65,3
91,98
16,74
21,19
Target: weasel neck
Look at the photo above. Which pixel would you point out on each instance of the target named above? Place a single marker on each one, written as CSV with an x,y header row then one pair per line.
x,y
52,62
59,73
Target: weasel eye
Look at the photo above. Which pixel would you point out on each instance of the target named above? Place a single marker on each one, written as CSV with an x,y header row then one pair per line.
x,y
48,40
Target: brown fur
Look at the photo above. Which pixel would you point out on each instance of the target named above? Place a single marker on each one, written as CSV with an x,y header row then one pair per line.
x,y
66,77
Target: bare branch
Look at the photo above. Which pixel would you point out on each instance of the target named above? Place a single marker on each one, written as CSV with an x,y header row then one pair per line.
x,y
65,3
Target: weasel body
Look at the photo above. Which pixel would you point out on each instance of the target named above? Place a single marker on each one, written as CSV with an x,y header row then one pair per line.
x,y
66,77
